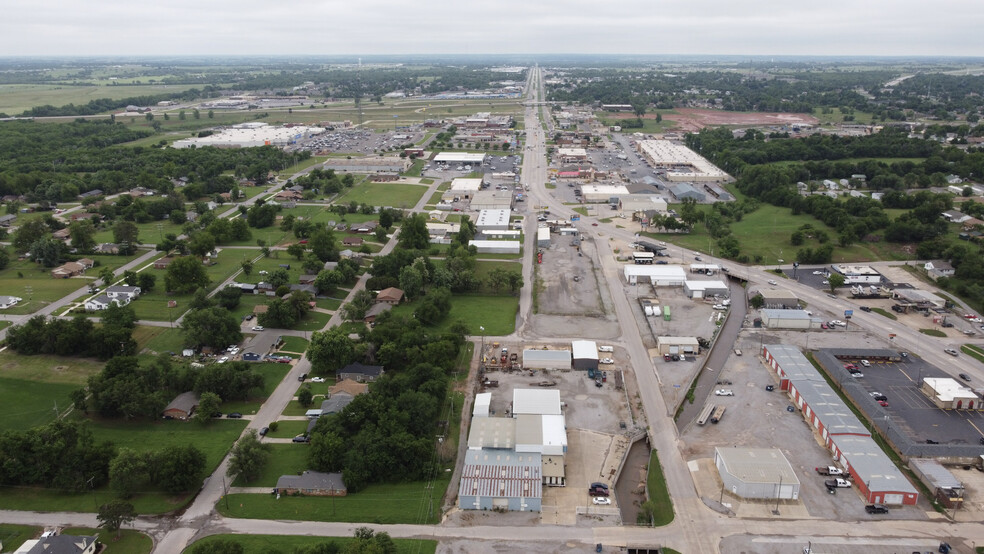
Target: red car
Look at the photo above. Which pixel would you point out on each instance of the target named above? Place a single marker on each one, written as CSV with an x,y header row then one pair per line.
x,y
824,326
303,242
594,224
850,367
883,403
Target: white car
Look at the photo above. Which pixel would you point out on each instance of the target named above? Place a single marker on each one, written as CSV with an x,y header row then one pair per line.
x,y
223,359
724,392
818,273
826,282
772,282
838,323
317,379
720,307
258,328
606,361
601,501
606,349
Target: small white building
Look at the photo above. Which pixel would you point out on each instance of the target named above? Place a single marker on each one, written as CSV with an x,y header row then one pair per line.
x,y
658,275
496,246
949,394
855,274
788,319
459,158
483,401
465,187
704,289
543,237
585,354
762,473
602,193
493,220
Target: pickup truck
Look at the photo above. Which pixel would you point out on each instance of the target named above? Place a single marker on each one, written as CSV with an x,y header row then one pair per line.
x,y
830,470
837,483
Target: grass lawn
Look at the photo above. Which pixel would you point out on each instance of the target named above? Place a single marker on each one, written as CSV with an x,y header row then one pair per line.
x,y
148,233
270,265
284,459
397,503
328,303
4,324
496,313
130,541
933,332
36,287
313,321
658,494
27,404
383,194
12,536
882,312
153,305
973,351
287,428
263,544
160,339
294,344
16,98
273,374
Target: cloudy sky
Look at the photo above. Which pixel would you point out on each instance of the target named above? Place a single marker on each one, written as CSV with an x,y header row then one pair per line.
x,y
363,27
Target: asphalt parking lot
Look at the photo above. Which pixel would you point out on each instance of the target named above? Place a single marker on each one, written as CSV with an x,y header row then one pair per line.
x,y
911,410
758,418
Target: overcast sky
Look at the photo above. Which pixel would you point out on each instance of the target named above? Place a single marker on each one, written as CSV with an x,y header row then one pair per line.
x,y
334,27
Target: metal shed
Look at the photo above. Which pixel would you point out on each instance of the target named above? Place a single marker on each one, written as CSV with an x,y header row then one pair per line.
x,y
546,359
585,354
757,473
499,479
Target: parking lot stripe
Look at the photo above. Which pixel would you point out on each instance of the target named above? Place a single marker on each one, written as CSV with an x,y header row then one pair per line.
x,y
902,371
975,427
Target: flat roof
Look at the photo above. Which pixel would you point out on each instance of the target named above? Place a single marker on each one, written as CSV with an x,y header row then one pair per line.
x,y
465,184
686,341
855,269
778,294
673,272
494,243
934,471
773,313
543,233
948,389
757,465
498,217
536,401
871,464
612,190
462,157
492,432
705,285
572,152
793,363
499,473
584,349
664,152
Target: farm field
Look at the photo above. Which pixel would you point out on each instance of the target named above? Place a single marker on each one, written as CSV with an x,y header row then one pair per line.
x,y
15,99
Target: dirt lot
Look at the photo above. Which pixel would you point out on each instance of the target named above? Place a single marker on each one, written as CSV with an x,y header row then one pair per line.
x,y
758,418
694,119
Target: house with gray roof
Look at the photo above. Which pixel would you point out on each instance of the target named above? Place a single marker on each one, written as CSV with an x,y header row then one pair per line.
x,y
312,483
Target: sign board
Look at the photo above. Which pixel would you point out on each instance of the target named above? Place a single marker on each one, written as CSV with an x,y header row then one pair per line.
x,y
848,313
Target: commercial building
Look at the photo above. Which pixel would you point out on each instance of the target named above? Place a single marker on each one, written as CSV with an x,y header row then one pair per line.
x,y
658,275
543,237
501,480
635,203
788,319
496,246
704,289
585,354
947,489
465,188
483,401
683,191
537,358
761,473
949,394
836,428
459,158
571,155
493,220
369,164
542,434
492,432
492,200
779,299
602,193
854,274
677,345
251,134
680,162
919,298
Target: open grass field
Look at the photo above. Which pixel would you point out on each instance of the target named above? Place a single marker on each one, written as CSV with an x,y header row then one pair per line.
x,y
658,493
396,503
264,544
287,428
294,344
284,459
12,536
148,233
26,403
496,313
130,541
836,116
15,99
153,305
313,321
272,374
158,339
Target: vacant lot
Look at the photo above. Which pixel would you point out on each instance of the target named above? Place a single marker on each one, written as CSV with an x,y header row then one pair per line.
x,y
32,388
15,99
153,305
383,194
496,313
285,459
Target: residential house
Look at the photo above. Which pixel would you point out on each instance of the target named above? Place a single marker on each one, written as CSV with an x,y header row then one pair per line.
x,y
391,295
367,227
182,407
86,262
61,234
163,262
335,403
108,248
60,544
939,268
360,373
7,220
103,302
312,483
310,289
953,216
68,269
307,279
8,301
352,241
78,216
121,292
191,216
349,386
375,311
288,195
91,194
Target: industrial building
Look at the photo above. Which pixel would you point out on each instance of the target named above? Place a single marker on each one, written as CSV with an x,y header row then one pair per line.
x,y
636,203
677,345
680,162
836,427
705,289
761,473
779,299
483,401
543,237
658,275
492,432
459,158
491,200
854,274
594,194
789,319
501,480
683,191
496,246
585,354
369,164
246,135
920,299
949,394
465,188
493,220
947,489
537,358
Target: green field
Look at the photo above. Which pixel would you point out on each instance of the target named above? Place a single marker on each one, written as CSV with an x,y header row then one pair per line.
x,y
838,117
658,493
273,374
496,313
413,503
153,305
284,459
15,99
33,386
159,339
294,344
265,544
148,233
12,536
130,541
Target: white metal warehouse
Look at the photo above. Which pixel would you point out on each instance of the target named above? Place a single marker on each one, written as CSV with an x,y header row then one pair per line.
x,y
703,289
493,220
482,402
585,354
491,200
788,319
658,275
543,237
546,359
496,246
757,473
459,158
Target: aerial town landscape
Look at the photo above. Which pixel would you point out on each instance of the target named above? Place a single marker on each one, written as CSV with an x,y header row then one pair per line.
x,y
491,303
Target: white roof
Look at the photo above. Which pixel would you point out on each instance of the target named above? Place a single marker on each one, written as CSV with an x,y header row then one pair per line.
x,y
785,314
536,401
757,465
715,267
543,233
459,157
705,285
494,243
948,389
664,152
466,185
498,217
584,349
482,402
660,272
580,152
610,190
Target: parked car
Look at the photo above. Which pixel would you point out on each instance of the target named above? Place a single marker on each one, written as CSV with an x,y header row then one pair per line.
x,y
606,349
601,501
300,438
876,509
878,396
720,307
865,363
258,328
770,388
317,379
865,309
234,415
964,376
597,491
724,392
223,359
772,282
830,470
599,484
606,361
249,317
264,431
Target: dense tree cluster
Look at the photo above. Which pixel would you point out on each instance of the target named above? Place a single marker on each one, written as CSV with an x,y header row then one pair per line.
x,y
77,336
61,455
284,313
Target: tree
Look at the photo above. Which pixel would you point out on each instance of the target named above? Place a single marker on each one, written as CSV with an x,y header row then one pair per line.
x,y
81,233
127,236
115,514
201,300
184,275
247,266
327,281
835,280
208,404
229,297
127,472
757,301
221,546
211,327
29,233
305,397
201,243
411,281
324,245
47,251
146,282
497,278
356,309
179,468
330,351
279,277
413,233
296,250
249,456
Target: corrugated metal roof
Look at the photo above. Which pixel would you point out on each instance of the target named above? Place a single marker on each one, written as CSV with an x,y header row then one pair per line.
x,y
871,465
504,475
934,471
793,363
584,349
785,314
758,465
492,432
836,417
536,401
538,355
